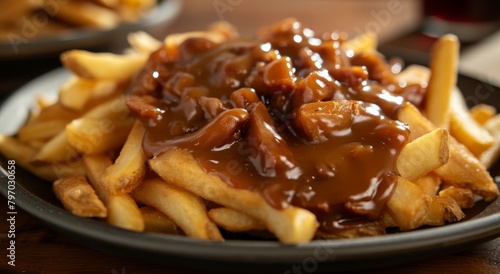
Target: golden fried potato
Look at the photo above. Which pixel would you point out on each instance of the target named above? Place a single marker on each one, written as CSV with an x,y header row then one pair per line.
x,y
78,197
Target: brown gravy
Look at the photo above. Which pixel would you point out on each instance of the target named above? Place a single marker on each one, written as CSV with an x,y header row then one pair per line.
x,y
286,114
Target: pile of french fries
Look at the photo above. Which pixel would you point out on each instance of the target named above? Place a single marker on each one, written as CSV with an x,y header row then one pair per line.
x,y
44,17
90,146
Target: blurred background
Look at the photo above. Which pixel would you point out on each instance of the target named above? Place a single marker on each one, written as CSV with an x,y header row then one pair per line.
x,y
34,32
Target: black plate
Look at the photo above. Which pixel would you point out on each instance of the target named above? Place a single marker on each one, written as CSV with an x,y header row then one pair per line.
x,y
35,197
164,12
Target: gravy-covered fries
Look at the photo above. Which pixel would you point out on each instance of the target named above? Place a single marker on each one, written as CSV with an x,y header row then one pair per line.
x,y
61,16
289,134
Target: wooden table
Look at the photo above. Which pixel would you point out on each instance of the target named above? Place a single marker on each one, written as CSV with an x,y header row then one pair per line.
x,y
41,250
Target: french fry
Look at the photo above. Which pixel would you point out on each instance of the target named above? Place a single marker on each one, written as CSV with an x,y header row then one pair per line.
x,y
224,28
123,212
376,228
56,149
489,157
235,221
481,113
90,136
78,197
463,196
66,169
143,42
407,215
23,155
103,66
157,222
41,102
131,10
138,4
172,41
465,129
443,210
184,208
429,184
129,168
366,41
76,92
95,166
475,176
424,154
387,220
289,225
37,144
65,16
75,140
42,130
411,116
53,112
12,10
443,65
